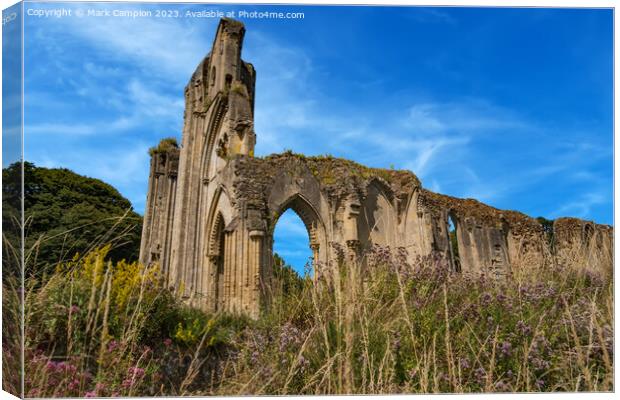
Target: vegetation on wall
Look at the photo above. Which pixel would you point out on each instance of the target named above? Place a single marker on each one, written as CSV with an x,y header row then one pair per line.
x,y
547,225
164,145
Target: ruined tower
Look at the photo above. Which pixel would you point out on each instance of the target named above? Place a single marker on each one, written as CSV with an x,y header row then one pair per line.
x,y
218,125
160,204
212,206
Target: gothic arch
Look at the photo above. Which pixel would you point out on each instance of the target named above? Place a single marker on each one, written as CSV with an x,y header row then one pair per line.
x,y
218,109
216,261
215,244
310,218
383,187
210,275
377,222
454,244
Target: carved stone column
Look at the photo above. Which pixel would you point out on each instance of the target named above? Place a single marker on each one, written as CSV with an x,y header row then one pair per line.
x,y
255,273
211,283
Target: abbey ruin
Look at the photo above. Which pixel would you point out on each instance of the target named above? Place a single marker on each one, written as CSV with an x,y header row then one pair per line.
x,y
212,206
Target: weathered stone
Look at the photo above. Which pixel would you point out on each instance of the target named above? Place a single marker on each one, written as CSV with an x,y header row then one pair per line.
x,y
210,226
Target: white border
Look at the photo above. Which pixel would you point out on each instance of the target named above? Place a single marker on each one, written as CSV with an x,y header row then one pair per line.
x,y
478,3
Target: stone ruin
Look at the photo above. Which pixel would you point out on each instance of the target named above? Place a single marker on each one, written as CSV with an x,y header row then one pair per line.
x,y
212,206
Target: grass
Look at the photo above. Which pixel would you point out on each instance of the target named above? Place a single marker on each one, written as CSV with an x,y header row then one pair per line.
x,y
98,329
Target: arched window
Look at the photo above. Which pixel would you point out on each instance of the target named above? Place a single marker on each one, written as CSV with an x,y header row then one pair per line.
x,y
454,243
291,243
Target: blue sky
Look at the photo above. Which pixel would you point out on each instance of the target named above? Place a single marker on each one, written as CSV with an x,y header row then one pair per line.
x,y
513,107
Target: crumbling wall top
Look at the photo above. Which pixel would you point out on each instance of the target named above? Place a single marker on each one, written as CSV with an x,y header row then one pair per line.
x,y
483,214
339,178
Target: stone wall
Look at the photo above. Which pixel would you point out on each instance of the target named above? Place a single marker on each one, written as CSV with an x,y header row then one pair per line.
x,y
211,228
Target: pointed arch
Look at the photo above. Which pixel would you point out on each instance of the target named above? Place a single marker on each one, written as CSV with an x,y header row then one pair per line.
x,y
216,244
377,223
218,108
452,229
311,219
212,272
302,207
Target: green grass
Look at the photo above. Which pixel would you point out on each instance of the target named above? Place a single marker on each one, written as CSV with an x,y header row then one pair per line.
x,y
98,329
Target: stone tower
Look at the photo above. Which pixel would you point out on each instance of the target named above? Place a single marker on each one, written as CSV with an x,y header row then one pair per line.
x,y
160,204
212,206
218,125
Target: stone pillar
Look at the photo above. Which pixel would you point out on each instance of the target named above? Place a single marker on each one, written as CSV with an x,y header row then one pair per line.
x,y
158,215
350,231
210,283
256,285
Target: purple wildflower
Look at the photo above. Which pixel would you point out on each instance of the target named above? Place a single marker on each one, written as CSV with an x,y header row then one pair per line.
x,y
506,349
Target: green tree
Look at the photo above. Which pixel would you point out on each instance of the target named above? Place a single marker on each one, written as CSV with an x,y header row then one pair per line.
x,y
66,213
285,277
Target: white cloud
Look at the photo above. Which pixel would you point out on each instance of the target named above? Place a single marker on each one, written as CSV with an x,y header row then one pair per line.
x,y
289,225
167,48
439,141
582,206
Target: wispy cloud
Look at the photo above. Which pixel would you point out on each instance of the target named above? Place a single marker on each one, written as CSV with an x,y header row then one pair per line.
x,y
129,91
163,48
582,206
289,224
433,15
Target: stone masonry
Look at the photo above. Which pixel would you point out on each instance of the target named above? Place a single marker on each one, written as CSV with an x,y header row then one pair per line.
x,y
212,206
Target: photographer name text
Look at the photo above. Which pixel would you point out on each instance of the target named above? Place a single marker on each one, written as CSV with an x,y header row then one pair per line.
x,y
139,13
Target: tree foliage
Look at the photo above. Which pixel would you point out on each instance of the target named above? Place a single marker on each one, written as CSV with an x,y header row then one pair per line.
x,y
66,213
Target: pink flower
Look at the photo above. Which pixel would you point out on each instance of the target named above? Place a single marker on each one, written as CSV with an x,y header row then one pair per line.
x,y
51,365
136,372
74,384
61,366
167,342
74,309
113,345
90,394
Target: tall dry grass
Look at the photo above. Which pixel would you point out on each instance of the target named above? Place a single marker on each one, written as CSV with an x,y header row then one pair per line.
x,y
382,326
391,327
